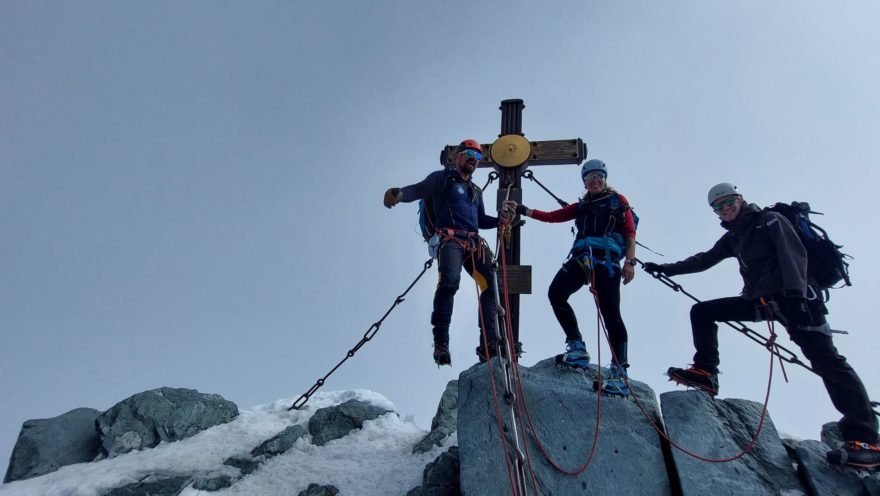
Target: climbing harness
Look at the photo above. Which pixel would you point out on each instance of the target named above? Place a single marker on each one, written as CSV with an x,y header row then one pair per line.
x,y
588,264
371,332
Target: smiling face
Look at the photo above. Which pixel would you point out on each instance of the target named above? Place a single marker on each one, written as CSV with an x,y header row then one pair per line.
x,y
466,161
595,182
728,207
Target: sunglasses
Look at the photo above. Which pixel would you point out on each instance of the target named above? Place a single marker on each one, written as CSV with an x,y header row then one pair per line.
x,y
473,153
594,177
724,202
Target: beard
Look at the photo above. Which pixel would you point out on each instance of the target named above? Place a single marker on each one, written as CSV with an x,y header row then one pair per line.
x,y
469,166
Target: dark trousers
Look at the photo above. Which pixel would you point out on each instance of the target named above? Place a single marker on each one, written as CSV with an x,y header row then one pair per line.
x,y
572,277
844,386
452,257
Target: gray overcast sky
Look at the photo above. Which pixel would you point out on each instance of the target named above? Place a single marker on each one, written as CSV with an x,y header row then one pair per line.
x,y
190,193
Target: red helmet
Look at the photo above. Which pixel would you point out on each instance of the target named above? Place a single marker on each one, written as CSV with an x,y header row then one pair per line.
x,y
470,144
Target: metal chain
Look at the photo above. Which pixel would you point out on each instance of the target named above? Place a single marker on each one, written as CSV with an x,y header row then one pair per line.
x,y
775,348
531,176
371,332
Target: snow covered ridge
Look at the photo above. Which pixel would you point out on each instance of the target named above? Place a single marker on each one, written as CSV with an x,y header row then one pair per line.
x,y
245,455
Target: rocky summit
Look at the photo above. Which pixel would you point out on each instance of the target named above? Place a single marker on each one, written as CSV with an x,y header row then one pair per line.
x,y
499,427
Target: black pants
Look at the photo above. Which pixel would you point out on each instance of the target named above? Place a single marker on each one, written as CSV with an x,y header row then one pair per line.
x,y
570,278
452,257
844,386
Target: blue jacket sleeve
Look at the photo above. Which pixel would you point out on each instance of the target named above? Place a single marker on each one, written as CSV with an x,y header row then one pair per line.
x,y
424,189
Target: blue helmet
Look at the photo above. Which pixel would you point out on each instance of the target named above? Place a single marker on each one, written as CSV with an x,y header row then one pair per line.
x,y
593,165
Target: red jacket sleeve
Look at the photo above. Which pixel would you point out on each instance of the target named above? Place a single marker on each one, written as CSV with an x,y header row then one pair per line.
x,y
562,215
629,224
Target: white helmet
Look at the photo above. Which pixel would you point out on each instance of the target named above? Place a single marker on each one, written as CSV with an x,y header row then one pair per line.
x,y
593,165
722,190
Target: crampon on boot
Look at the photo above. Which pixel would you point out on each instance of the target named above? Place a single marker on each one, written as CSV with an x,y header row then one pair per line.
x,y
575,356
696,378
614,384
441,353
856,454
481,352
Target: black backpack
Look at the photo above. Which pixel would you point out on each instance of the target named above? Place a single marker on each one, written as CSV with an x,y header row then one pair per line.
x,y
826,264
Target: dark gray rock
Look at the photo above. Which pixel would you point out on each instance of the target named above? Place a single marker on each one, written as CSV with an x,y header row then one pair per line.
x,y
562,406
445,420
337,421
718,429
280,443
165,414
171,486
318,490
826,479
213,484
44,445
244,465
440,477
831,436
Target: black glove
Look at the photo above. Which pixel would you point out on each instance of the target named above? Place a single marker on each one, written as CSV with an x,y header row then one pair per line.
x,y
652,268
521,209
795,310
392,197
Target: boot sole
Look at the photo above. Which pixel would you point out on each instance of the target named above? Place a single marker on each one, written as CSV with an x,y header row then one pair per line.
x,y
681,381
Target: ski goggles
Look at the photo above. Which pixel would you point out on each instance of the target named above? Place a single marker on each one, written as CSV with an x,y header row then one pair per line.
x,y
724,202
594,177
472,153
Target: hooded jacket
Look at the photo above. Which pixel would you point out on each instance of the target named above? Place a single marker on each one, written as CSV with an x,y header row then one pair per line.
x,y
772,260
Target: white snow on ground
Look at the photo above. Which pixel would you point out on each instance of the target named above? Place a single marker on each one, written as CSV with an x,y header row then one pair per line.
x,y
375,460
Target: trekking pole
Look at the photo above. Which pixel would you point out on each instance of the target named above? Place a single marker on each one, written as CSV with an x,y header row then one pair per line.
x,y
371,332
755,336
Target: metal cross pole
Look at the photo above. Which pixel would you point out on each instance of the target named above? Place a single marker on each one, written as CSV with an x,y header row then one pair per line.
x,y
511,155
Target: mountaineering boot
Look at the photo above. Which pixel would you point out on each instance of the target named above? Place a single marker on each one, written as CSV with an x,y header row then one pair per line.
x,y
856,454
696,378
481,352
575,355
441,353
616,382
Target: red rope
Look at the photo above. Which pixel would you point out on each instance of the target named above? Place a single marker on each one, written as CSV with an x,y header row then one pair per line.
x,y
513,485
771,343
514,359
523,403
